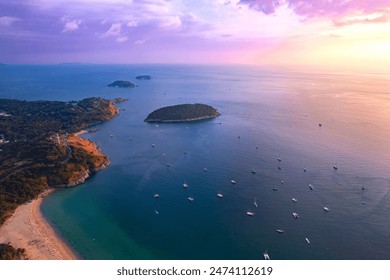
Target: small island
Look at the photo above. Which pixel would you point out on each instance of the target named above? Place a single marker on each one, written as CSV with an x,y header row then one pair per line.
x,y
183,113
143,77
122,84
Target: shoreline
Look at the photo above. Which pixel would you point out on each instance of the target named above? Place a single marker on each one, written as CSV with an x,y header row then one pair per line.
x,y
28,229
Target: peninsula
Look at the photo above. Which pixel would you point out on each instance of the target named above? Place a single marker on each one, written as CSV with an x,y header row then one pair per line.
x,y
122,84
40,151
183,113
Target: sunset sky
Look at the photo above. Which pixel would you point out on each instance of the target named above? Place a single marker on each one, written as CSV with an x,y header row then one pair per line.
x,y
335,33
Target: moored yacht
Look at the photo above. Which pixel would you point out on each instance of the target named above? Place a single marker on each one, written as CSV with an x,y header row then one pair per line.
x,y
266,256
232,181
326,209
250,213
295,215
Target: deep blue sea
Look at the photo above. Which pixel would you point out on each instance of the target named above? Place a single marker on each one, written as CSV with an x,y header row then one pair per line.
x,y
266,114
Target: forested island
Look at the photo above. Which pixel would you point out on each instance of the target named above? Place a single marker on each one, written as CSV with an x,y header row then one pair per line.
x,y
38,148
183,113
122,84
143,77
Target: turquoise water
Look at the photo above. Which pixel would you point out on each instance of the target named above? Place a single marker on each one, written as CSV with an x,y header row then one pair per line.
x,y
266,114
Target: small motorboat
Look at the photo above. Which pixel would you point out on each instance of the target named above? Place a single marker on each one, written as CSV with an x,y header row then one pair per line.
x,y
311,187
190,198
294,199
155,211
156,195
307,240
232,181
153,145
266,256
220,195
205,169
250,213
255,203
279,230
335,167
253,171
295,215
326,209
275,189
185,185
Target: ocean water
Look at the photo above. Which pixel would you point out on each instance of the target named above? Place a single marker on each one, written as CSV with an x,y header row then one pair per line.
x,y
266,114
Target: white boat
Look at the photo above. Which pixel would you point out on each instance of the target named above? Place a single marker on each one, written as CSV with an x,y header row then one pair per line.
x,y
279,230
307,240
275,189
220,195
155,211
153,145
190,198
311,187
294,199
156,195
255,203
279,159
250,213
232,181
205,169
295,215
185,185
326,209
266,256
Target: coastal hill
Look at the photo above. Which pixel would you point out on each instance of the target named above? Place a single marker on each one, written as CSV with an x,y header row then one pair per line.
x,y
122,84
183,113
38,149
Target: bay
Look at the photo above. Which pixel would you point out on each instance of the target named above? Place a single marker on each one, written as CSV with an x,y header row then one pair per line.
x,y
266,114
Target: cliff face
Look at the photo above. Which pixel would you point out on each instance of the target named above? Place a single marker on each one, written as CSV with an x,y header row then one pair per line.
x,y
84,159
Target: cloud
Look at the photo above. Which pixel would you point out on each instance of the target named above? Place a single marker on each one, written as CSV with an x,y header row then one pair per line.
x,y
115,31
320,8
71,25
7,21
374,18
140,42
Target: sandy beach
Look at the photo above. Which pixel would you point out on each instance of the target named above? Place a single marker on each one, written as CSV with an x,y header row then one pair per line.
x,y
29,230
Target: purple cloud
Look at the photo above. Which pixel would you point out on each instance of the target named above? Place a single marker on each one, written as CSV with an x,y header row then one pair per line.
x,y
320,8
